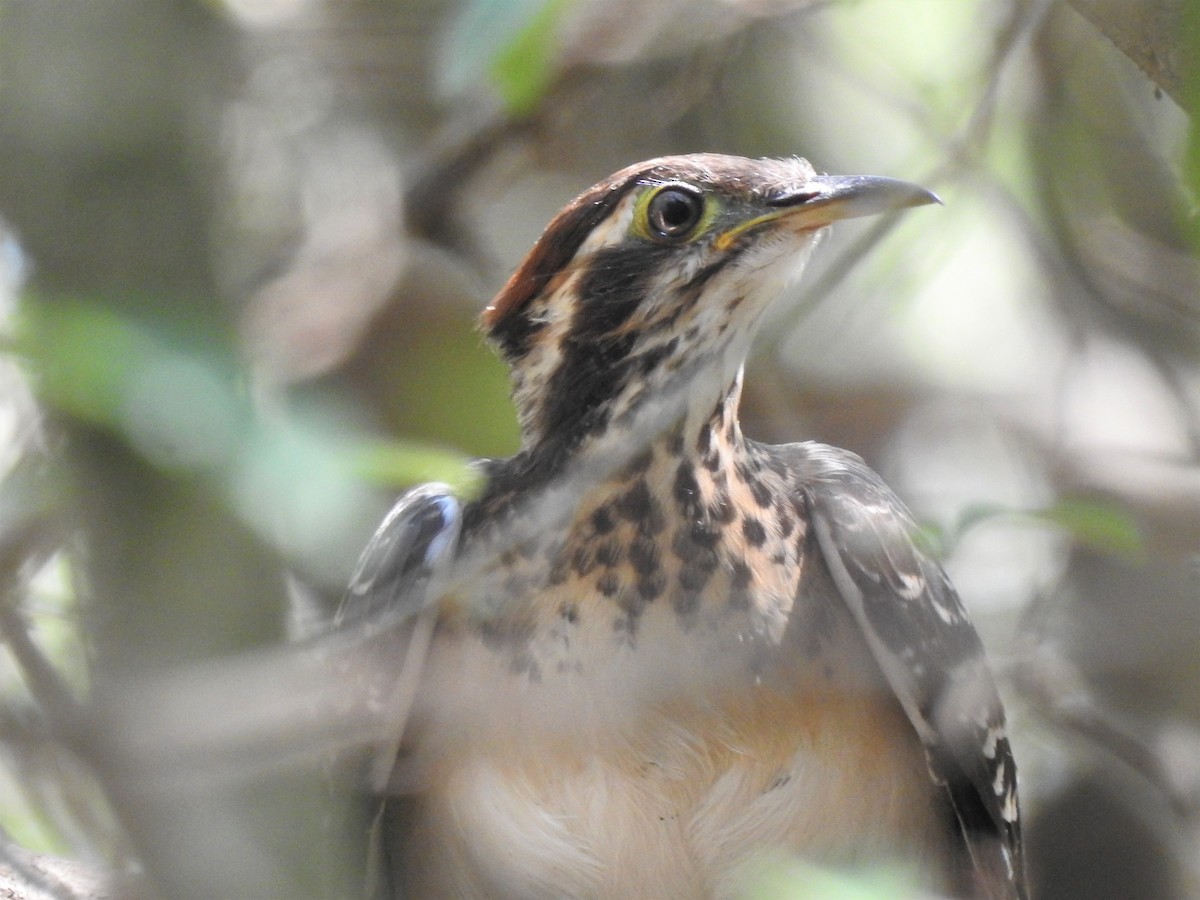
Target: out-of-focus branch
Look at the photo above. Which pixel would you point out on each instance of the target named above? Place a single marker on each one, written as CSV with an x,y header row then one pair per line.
x,y
27,530
36,876
1148,32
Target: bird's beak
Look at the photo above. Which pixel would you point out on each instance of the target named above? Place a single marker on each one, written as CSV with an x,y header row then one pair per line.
x,y
824,199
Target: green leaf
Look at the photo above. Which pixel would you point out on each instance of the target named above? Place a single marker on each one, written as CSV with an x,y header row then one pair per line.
x,y
175,400
524,69
84,355
298,479
405,463
510,43
1102,525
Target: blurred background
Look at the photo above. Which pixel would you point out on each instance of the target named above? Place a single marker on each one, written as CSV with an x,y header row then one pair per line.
x,y
242,247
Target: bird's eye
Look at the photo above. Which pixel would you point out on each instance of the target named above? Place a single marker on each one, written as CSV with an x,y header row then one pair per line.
x,y
674,211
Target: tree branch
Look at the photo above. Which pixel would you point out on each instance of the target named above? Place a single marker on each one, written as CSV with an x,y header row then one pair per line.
x,y
1150,33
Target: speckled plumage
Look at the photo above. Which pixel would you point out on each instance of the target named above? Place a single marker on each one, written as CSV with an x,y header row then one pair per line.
x,y
664,652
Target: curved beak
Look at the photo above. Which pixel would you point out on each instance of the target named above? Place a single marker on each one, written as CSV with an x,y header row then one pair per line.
x,y
827,198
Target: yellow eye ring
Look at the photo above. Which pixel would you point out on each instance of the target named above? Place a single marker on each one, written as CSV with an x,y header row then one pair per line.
x,y
673,213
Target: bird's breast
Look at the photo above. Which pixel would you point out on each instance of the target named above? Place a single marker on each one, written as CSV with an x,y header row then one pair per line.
x,y
683,795
656,701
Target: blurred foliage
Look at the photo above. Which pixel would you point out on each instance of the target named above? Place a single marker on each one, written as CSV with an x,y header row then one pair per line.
x,y
246,244
790,880
184,407
1190,51
523,71
509,44
1099,525
1104,527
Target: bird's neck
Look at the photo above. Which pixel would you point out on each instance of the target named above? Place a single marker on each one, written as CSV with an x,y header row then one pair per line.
x,y
684,427
688,522
700,429
707,427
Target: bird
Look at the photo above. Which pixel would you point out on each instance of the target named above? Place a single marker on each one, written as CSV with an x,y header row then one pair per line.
x,y
657,654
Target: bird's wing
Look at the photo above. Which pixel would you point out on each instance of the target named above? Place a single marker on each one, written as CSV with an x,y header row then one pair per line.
x,y
928,650
395,581
416,541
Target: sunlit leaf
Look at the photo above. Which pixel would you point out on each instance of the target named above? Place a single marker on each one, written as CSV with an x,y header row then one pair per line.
x,y
85,355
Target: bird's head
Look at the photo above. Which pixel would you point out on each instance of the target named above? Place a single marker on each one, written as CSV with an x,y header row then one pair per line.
x,y
654,280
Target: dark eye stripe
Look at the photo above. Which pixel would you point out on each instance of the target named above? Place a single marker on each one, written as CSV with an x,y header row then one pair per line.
x,y
596,362
506,320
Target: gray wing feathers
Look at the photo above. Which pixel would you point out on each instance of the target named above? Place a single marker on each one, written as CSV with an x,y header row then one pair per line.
x,y
417,539
927,648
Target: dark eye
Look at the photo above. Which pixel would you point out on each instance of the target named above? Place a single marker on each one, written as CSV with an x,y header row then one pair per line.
x,y
674,212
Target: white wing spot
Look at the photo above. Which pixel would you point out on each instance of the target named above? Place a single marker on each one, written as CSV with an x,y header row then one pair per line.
x,y
1009,810
949,616
989,743
914,586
